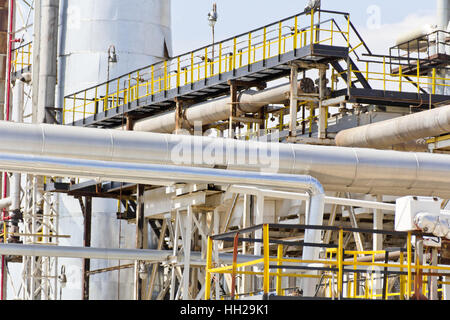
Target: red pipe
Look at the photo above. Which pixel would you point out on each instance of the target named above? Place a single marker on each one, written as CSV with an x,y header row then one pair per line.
x,y
8,99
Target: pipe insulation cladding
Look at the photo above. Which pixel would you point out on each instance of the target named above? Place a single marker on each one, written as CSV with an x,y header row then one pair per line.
x,y
337,168
208,112
399,130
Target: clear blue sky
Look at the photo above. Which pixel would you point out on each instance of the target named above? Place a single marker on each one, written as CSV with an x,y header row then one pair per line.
x,y
190,27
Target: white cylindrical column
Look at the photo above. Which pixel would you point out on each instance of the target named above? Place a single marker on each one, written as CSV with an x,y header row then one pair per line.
x,y
443,14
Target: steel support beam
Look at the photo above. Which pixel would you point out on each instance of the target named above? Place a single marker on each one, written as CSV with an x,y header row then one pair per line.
x,y
233,106
87,213
323,111
293,101
141,231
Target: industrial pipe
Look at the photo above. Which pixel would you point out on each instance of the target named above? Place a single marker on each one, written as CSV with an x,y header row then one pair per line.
x,y
304,197
147,255
338,169
147,174
49,10
17,116
400,130
215,110
143,173
5,203
7,115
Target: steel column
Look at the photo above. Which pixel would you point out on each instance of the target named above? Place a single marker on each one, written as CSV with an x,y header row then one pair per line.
x,y
87,213
293,100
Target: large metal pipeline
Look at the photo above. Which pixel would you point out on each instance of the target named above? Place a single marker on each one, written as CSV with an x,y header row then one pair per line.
x,y
147,255
48,43
341,169
148,174
215,110
395,131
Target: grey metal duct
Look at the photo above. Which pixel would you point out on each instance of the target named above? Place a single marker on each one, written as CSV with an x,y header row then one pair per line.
x,y
48,43
215,110
396,131
343,169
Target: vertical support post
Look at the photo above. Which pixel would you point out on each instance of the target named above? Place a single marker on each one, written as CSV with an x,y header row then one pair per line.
x,y
140,236
233,275
296,35
340,261
208,267
293,100
409,258
86,243
385,276
418,277
246,287
259,219
178,115
433,279
175,252
433,90
323,111
233,106
264,47
402,277
187,253
378,225
266,286
279,270
349,76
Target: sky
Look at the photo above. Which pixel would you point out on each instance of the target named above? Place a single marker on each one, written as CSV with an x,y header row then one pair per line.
x,y
379,22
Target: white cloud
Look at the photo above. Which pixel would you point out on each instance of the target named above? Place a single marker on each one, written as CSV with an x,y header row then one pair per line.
x,y
379,40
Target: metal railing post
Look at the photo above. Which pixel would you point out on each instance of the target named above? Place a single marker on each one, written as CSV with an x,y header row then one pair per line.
x,y
279,270
266,285
208,267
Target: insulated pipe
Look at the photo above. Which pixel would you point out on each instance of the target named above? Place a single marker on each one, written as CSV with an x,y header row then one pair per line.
x,y
338,169
145,173
7,115
300,196
215,110
110,253
17,116
49,10
400,130
5,203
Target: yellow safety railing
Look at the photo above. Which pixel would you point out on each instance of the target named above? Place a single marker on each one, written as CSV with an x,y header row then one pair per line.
x,y
341,274
241,51
22,57
399,80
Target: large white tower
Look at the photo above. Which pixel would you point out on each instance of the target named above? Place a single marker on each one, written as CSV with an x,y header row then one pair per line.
x,y
100,40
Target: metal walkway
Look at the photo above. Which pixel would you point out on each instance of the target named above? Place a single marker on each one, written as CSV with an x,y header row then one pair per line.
x,y
253,59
